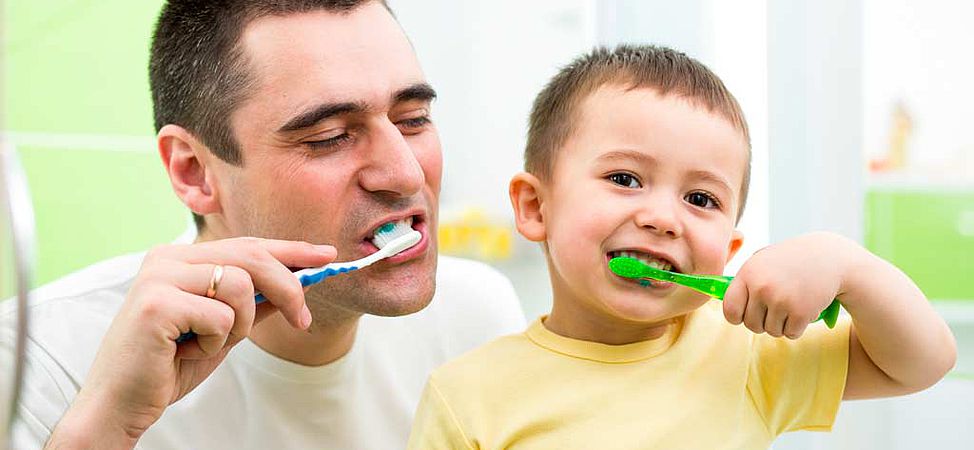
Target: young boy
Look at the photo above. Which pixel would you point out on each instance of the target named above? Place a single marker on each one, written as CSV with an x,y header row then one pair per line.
x,y
642,151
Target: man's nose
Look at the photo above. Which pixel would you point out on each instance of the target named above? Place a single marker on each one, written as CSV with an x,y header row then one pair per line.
x,y
660,215
392,167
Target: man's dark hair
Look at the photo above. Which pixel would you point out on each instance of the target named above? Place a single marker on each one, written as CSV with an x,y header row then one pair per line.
x,y
198,72
669,72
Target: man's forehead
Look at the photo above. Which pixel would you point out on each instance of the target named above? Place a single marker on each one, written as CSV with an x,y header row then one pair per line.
x,y
359,56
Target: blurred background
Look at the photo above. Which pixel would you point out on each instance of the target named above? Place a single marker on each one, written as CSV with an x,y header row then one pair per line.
x,y
858,109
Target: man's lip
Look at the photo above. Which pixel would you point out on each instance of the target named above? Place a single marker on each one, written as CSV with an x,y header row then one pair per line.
x,y
654,253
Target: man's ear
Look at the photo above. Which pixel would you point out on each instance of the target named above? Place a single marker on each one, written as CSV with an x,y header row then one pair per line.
x,y
527,199
185,159
737,240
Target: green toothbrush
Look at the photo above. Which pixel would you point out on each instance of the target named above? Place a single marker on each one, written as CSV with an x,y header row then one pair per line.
x,y
712,285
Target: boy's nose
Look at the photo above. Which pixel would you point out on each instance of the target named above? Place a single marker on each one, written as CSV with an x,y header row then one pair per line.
x,y
660,217
392,166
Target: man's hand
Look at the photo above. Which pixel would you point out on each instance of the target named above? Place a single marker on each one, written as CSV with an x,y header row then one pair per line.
x,y
140,369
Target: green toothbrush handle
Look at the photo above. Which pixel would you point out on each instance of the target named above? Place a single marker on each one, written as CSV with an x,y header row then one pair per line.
x,y
831,314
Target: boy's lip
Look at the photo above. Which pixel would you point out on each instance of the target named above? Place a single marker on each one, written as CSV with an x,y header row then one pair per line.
x,y
655,254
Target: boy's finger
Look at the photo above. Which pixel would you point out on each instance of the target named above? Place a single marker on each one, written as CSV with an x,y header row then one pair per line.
x,y
754,314
795,327
735,300
774,322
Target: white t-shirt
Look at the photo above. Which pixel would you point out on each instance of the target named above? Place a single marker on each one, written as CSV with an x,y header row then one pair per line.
x,y
365,400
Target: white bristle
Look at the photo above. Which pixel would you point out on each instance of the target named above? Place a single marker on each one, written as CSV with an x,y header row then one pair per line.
x,y
383,238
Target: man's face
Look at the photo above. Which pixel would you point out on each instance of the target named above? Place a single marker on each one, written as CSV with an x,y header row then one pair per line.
x,y
336,141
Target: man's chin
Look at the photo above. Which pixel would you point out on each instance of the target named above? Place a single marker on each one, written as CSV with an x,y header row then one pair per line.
x,y
378,299
403,307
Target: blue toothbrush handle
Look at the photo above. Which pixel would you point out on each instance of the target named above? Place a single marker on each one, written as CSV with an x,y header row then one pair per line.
x,y
306,280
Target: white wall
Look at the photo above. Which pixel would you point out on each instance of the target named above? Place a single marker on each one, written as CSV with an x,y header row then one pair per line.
x,y
920,53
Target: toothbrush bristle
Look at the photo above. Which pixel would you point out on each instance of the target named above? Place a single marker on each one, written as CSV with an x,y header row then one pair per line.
x,y
389,232
627,267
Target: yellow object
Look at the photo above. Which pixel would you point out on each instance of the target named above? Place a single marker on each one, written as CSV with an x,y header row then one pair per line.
x,y
902,129
473,235
709,385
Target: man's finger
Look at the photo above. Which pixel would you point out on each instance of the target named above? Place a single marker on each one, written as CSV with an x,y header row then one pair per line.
x,y
266,262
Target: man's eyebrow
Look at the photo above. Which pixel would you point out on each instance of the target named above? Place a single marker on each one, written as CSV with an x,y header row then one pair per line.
x,y
319,113
418,91
324,111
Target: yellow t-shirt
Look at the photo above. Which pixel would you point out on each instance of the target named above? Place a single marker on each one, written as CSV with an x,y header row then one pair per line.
x,y
706,384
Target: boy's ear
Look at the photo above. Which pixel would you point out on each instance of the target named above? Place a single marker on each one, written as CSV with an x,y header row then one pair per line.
x,y
185,159
526,199
737,240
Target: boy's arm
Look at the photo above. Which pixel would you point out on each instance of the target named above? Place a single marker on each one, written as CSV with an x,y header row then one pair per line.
x,y
898,343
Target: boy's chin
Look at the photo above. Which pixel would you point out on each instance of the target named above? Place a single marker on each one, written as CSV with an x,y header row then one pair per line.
x,y
650,311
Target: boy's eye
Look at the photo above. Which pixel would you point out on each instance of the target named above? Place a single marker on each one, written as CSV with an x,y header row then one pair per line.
x,y
624,179
702,200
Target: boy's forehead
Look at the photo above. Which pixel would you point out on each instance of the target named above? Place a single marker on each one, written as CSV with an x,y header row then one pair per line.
x,y
668,128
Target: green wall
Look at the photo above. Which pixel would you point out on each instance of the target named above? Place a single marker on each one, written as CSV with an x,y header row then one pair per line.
x,y
76,99
928,232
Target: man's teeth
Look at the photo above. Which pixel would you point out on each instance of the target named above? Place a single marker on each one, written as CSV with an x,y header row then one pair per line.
x,y
389,231
646,259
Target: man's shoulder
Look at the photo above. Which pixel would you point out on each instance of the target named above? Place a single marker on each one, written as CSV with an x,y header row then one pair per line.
x,y
467,289
461,270
70,315
473,304
105,281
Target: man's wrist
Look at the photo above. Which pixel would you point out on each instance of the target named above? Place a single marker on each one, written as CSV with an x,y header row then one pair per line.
x,y
86,424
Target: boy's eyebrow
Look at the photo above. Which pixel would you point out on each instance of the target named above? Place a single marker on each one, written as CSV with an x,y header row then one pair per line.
x,y
631,155
706,175
324,111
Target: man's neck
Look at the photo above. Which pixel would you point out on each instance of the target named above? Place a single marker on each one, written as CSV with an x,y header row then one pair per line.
x,y
319,345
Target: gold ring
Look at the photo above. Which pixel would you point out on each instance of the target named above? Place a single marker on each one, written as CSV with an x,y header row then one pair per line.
x,y
215,281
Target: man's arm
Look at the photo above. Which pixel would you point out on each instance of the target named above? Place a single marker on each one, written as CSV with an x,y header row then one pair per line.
x,y
140,369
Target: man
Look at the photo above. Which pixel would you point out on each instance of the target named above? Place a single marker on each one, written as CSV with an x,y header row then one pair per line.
x,y
306,123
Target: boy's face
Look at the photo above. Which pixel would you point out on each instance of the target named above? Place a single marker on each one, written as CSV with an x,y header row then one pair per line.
x,y
653,175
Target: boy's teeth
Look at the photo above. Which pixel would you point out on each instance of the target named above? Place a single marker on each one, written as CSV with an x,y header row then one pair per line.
x,y
646,259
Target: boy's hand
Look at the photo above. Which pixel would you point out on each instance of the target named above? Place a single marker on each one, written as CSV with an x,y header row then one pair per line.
x,y
784,287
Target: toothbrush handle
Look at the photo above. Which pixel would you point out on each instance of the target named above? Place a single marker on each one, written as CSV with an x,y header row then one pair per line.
x,y
305,279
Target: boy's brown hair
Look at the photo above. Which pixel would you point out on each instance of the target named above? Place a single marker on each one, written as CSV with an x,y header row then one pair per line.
x,y
667,71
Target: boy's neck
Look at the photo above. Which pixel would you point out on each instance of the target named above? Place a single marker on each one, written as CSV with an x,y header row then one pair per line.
x,y
571,321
